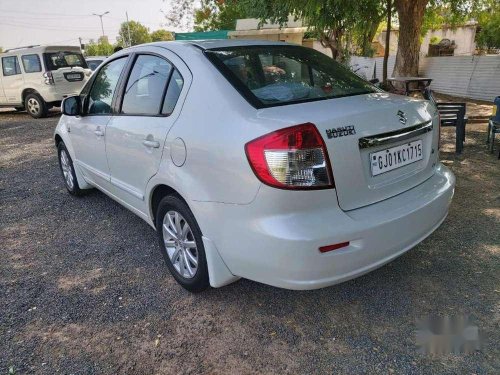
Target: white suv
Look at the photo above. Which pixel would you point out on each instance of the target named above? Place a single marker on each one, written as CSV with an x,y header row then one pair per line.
x,y
38,78
260,160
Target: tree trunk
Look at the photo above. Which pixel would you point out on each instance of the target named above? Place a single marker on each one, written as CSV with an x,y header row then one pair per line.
x,y
387,41
411,16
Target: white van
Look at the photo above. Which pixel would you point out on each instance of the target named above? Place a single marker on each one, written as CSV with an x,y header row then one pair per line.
x,y
37,78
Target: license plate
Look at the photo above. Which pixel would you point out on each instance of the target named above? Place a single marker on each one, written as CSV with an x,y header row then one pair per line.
x,y
395,157
75,76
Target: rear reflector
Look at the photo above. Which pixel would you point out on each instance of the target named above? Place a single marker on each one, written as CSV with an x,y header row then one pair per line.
x,y
325,249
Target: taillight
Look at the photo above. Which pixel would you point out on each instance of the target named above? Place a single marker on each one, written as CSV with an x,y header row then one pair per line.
x,y
49,78
291,158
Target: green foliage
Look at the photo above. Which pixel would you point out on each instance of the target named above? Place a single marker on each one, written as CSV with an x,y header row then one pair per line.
x,y
331,21
161,36
435,40
100,48
489,32
138,34
218,15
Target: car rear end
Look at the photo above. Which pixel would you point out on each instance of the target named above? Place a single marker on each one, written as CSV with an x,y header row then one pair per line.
x,y
350,175
66,72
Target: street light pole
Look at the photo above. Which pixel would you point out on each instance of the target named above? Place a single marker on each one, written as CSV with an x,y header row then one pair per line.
x,y
100,16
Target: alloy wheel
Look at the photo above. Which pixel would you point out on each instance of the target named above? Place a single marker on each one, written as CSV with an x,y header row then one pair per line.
x,y
33,106
66,169
180,244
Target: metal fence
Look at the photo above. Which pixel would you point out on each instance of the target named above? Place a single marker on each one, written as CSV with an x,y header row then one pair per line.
x,y
476,77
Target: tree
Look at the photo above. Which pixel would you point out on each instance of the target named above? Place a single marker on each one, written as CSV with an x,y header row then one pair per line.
x,y
218,15
161,35
488,36
180,14
366,29
330,20
138,34
388,10
413,13
100,48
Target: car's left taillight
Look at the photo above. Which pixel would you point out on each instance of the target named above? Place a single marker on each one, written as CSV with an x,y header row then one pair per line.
x,y
291,158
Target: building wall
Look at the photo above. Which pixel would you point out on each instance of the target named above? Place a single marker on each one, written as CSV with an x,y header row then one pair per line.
x,y
463,36
253,24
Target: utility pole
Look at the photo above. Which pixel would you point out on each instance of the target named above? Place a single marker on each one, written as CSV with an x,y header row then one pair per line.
x,y
100,16
128,29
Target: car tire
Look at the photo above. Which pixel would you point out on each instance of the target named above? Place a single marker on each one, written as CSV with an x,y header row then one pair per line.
x,y
68,170
35,106
181,246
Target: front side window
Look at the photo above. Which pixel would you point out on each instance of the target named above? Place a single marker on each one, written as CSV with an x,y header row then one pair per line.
x,y
10,66
277,75
146,85
31,63
64,59
103,88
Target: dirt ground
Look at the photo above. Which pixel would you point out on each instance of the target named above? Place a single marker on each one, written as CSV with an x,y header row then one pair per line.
x,y
84,290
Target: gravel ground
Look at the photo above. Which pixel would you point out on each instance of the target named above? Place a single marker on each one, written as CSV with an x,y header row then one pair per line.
x,y
84,289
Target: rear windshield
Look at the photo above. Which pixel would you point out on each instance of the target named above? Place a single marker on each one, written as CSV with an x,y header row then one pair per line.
x,y
64,59
276,75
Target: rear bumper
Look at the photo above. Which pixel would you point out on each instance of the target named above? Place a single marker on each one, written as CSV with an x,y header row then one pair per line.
x,y
275,239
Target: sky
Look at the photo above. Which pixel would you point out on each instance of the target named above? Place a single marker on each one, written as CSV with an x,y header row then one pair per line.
x,y
29,22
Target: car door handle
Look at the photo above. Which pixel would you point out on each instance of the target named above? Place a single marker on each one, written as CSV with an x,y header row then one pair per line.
x,y
152,144
99,132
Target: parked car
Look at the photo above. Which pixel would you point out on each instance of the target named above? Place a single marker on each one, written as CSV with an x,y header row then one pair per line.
x,y
261,160
37,78
94,61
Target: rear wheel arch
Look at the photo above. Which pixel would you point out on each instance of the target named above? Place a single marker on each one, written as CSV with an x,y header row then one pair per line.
x,y
28,91
157,194
58,139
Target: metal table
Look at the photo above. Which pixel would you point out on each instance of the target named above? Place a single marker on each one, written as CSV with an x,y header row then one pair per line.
x,y
421,83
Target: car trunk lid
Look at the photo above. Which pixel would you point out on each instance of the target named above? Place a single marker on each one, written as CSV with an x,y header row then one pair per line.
x,y
358,128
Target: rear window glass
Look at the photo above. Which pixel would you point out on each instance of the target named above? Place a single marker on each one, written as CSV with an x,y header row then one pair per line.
x,y
64,59
276,75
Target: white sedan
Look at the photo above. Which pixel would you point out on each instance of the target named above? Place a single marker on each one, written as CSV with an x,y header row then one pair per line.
x,y
261,160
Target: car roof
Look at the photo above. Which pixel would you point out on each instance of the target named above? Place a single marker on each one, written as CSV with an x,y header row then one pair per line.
x,y
206,44
41,49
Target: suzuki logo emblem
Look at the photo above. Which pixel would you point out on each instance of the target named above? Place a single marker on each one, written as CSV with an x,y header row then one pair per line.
x,y
402,117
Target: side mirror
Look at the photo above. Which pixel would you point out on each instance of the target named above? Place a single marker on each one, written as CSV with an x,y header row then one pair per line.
x,y
72,106
374,81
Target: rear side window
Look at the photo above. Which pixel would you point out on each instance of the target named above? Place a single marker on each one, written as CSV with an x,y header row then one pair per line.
x,y
173,93
31,63
275,75
104,86
64,59
146,85
10,66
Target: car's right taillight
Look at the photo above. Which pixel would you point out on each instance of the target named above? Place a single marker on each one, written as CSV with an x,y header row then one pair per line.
x,y
291,158
49,78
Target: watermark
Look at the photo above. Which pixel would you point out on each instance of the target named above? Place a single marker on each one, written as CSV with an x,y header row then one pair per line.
x,y
440,335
